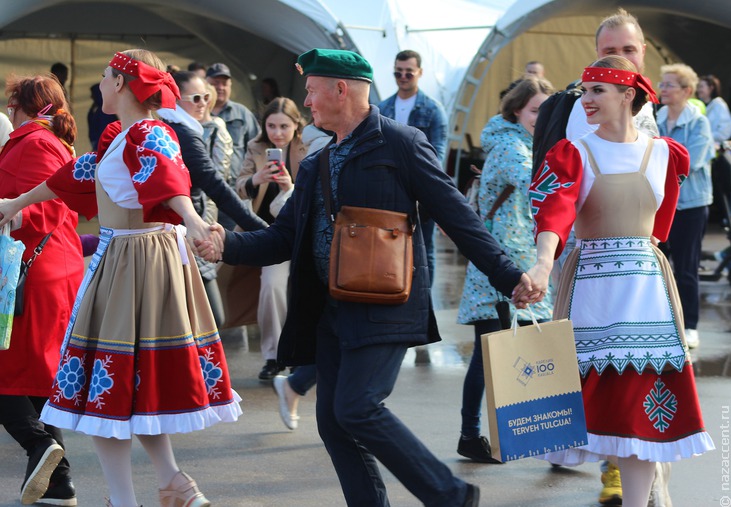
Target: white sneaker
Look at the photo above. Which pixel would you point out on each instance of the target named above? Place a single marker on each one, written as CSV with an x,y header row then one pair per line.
x,y
691,338
290,419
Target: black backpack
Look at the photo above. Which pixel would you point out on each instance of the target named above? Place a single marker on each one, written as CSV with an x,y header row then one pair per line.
x,y
553,116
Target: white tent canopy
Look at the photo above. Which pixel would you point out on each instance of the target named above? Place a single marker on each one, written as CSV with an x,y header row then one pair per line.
x,y
560,33
471,49
255,38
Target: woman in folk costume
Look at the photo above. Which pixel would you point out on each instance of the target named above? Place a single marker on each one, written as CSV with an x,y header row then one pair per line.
x,y
619,188
152,364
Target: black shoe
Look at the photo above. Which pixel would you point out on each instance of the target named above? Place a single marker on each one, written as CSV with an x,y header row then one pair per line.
x,y
473,496
270,370
476,449
41,464
60,491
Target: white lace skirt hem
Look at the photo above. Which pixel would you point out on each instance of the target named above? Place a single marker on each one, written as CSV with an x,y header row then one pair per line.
x,y
601,447
138,424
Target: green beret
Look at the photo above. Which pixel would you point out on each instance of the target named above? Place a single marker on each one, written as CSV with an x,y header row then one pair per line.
x,y
334,63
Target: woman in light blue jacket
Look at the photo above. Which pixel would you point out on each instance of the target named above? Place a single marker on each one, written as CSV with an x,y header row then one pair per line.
x,y
685,123
508,141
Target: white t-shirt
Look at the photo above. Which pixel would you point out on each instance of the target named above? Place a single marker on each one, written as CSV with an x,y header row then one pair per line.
x,y
403,107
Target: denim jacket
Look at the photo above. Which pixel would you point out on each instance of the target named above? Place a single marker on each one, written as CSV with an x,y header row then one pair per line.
x,y
693,131
428,116
243,127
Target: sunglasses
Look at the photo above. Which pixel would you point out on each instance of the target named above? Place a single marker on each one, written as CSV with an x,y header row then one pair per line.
x,y
399,75
196,98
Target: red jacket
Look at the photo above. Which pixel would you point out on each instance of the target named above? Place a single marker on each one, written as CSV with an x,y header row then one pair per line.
x,y
32,155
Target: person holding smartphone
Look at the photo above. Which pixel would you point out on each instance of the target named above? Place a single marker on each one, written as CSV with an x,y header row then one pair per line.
x,y
270,166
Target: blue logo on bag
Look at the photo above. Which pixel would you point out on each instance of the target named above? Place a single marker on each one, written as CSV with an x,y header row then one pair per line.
x,y
527,371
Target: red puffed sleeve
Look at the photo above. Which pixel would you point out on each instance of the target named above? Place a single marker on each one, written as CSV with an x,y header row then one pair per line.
x,y
75,181
678,168
152,155
554,191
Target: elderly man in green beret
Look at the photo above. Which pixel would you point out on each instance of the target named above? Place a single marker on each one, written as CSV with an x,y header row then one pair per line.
x,y
358,348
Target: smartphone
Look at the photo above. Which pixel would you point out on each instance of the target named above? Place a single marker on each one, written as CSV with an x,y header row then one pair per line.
x,y
274,155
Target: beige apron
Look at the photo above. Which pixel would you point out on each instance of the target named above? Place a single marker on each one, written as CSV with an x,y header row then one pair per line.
x,y
616,287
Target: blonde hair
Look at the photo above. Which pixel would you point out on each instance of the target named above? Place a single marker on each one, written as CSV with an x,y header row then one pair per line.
x,y
619,18
214,96
686,75
153,102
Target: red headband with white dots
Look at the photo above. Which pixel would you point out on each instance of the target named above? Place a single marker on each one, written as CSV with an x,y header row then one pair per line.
x,y
149,80
620,77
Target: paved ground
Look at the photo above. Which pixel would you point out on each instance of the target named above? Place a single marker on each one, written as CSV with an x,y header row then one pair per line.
x,y
258,462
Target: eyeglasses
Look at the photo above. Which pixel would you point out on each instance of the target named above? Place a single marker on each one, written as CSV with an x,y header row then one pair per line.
x,y
668,86
196,98
11,108
399,75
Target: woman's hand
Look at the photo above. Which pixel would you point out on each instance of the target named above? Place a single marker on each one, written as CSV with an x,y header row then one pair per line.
x,y
284,180
9,210
268,173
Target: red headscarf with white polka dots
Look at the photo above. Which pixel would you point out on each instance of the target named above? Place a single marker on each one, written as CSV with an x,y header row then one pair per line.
x,y
620,77
149,80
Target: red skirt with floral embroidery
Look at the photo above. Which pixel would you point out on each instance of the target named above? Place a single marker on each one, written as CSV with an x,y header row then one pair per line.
x,y
142,354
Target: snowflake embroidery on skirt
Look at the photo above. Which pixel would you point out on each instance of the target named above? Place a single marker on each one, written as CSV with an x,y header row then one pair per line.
x,y
211,373
148,166
158,139
660,406
85,167
101,381
71,379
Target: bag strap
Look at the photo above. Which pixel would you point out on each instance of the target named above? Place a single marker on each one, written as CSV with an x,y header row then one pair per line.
x,y
325,180
500,200
327,189
38,250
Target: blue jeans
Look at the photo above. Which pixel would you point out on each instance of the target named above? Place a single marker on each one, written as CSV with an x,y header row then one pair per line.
x,y
473,389
686,236
303,378
358,429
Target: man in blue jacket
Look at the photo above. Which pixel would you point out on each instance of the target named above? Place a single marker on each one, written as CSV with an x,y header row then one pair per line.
x,y
358,348
413,107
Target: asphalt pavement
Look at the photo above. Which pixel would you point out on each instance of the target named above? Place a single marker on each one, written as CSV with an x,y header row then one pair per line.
x,y
259,462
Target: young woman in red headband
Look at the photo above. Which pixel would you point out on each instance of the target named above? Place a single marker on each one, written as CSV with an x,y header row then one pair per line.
x,y
141,355
618,188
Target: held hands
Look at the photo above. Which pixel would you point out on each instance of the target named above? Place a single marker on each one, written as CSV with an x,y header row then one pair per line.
x,y
211,249
525,293
533,285
203,240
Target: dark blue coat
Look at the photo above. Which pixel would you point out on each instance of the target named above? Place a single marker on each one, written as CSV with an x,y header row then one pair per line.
x,y
392,167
